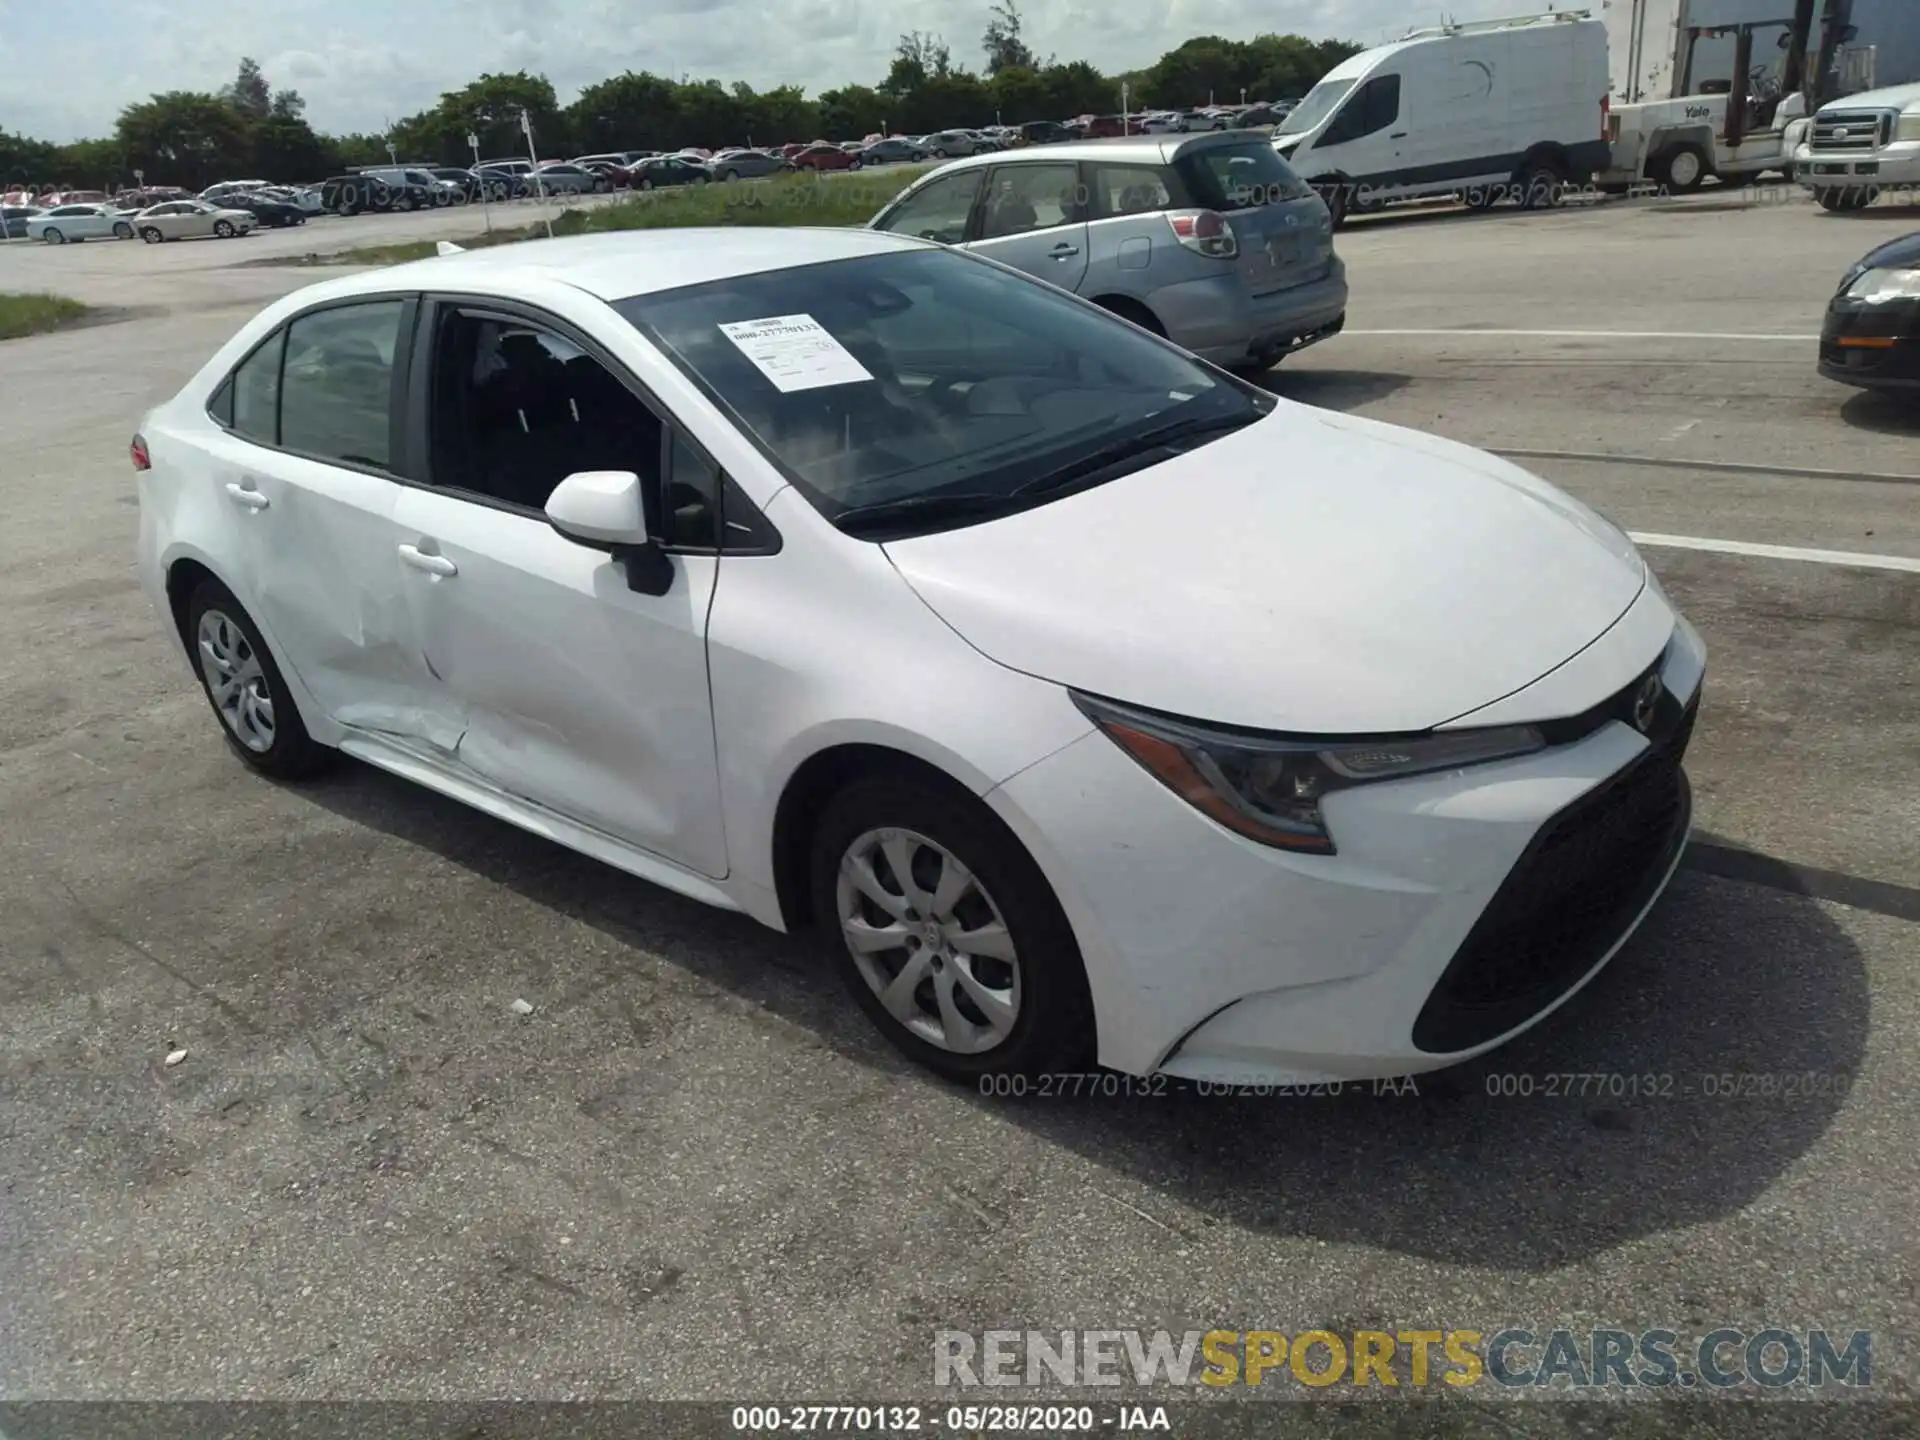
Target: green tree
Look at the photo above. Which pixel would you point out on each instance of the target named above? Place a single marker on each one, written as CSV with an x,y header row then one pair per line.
x,y
917,59
249,93
1002,41
27,162
285,147
183,137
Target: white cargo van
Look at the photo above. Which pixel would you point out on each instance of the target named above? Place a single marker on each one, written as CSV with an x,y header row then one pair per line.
x,y
1502,109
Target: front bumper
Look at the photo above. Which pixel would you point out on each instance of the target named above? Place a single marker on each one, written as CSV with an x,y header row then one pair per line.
x,y
1875,347
1461,909
1891,166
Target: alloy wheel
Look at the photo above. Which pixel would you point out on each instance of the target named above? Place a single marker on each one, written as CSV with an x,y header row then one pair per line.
x,y
929,941
236,681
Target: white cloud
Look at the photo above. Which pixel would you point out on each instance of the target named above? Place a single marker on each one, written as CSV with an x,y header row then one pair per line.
x,y
360,63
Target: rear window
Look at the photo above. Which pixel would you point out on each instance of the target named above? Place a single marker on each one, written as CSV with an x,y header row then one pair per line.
x,y
1239,176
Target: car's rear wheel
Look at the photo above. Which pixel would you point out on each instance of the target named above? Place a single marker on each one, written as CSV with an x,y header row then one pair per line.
x,y
223,228
855,163
246,689
947,933
645,183
700,179
122,231
1543,185
1684,169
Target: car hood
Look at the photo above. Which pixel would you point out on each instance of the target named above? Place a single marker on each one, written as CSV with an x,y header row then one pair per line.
x,y
1313,572
1889,97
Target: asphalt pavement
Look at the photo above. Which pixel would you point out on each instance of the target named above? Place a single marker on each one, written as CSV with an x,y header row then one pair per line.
x,y
693,1173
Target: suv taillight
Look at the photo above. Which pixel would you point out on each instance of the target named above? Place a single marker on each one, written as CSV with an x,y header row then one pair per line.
x,y
137,452
1204,232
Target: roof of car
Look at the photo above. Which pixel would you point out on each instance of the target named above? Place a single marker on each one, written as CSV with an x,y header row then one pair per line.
x,y
620,264
1119,149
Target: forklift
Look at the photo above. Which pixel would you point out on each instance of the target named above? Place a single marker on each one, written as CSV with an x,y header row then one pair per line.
x,y
1734,130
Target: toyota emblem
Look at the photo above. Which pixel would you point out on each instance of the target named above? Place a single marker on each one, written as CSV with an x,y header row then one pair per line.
x,y
1646,703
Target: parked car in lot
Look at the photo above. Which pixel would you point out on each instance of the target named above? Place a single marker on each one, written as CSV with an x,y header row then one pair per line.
x,y
215,194
947,144
895,150
558,177
64,223
667,170
1208,239
150,195
463,183
746,164
505,183
1871,338
1043,132
366,191
270,214
877,632
13,220
192,220
822,156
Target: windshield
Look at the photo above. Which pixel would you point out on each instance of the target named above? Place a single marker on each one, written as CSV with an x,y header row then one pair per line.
x,y
1316,107
926,376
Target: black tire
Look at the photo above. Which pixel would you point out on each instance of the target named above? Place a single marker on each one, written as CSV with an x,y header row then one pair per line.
x,y
727,175
1543,185
151,234
855,163
1053,1030
346,208
1335,194
1693,166
1847,198
293,755
646,183
700,179
52,236
223,229
123,231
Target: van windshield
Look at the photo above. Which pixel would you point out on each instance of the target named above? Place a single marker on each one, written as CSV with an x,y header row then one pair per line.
x,y
1316,107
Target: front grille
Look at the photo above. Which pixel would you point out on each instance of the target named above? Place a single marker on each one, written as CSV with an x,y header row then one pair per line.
x,y
1586,876
1853,131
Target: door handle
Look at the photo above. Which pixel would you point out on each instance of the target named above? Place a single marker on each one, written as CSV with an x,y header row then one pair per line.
x,y
432,564
1398,135
246,495
1063,252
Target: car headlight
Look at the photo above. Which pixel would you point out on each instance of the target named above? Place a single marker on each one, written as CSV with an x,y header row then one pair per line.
x,y
1882,287
1269,787
1907,127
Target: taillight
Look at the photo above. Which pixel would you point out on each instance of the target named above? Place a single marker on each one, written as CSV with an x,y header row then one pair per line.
x,y
137,452
1204,232
1606,114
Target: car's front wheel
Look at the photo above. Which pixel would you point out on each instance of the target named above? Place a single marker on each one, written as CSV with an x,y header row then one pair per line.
x,y
223,228
53,237
947,933
246,689
151,234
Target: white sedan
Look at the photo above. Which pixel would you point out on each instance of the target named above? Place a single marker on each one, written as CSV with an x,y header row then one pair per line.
x,y
64,224
191,219
1085,700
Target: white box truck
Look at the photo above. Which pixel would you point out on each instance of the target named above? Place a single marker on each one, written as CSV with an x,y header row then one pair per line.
x,y
1499,109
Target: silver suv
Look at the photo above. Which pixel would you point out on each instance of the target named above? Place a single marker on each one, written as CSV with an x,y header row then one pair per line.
x,y
1210,240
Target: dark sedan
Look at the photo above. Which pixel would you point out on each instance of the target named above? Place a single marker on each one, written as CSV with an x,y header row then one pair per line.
x,y
1872,335
668,170
13,220
275,214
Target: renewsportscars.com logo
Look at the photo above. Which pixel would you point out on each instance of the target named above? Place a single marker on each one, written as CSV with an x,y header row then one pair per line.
x,y
1514,1357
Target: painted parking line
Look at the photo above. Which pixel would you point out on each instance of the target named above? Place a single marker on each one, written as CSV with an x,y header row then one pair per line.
x,y
1859,559
1719,467
1474,334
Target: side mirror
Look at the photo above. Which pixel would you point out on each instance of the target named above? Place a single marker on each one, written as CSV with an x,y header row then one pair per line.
x,y
607,510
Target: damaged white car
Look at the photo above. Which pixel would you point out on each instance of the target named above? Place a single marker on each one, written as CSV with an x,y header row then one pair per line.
x,y
1090,702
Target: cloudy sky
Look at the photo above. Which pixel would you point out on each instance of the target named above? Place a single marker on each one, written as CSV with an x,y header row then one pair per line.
x,y
67,66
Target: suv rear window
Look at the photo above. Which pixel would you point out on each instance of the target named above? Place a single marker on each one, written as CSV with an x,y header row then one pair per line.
x,y
1239,176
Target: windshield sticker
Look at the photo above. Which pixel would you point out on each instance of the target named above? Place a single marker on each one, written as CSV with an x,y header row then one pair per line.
x,y
795,352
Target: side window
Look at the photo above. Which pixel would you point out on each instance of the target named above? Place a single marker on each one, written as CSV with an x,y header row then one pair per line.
x,y
256,393
1032,197
337,383
1373,107
938,211
1128,190
516,409
692,517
